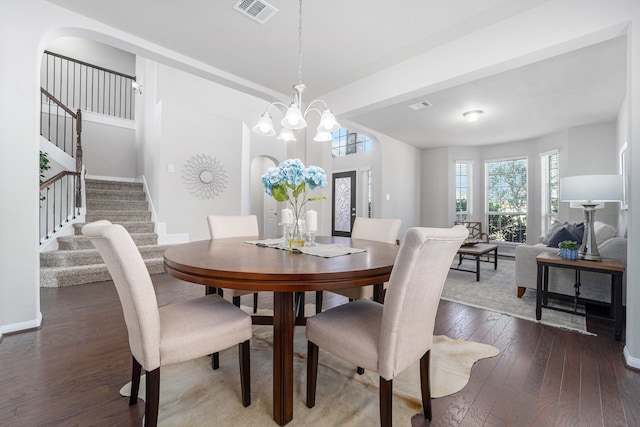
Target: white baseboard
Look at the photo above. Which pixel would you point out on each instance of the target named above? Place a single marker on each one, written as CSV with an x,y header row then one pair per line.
x,y
169,239
631,361
21,326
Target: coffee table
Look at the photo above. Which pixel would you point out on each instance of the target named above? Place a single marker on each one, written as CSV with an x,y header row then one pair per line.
x,y
477,250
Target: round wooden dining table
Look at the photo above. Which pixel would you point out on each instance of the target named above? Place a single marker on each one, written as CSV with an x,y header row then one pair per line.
x,y
232,263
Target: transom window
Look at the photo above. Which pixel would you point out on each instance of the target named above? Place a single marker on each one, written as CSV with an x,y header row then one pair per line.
x,y
345,142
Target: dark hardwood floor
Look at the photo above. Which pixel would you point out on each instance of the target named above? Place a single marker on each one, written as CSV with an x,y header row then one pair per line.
x,y
68,372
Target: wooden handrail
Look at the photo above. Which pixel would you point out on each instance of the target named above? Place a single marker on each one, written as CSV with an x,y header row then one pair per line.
x,y
97,67
58,103
57,177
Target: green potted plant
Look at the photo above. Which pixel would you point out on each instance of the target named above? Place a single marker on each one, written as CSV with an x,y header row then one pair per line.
x,y
44,166
568,249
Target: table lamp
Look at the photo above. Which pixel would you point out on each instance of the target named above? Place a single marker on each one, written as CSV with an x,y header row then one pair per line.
x,y
589,191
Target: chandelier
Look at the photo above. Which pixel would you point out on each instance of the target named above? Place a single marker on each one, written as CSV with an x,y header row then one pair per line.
x,y
294,119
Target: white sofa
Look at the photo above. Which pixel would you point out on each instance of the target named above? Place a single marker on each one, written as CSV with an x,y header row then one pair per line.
x,y
595,286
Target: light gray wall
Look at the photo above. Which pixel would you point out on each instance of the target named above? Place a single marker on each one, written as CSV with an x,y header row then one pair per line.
x,y
582,150
435,188
108,150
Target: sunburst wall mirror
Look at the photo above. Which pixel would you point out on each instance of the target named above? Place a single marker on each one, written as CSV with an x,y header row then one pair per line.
x,y
204,176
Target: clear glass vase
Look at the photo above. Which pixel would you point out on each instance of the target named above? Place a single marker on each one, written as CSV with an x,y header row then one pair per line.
x,y
297,234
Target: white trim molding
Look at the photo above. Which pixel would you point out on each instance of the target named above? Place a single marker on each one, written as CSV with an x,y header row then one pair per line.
x,y
632,362
21,326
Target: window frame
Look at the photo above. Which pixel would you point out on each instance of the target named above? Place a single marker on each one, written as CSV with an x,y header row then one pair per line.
x,y
488,213
464,215
345,142
547,214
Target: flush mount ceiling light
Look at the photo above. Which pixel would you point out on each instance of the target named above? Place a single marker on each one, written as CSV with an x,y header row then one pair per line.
x,y
294,119
473,115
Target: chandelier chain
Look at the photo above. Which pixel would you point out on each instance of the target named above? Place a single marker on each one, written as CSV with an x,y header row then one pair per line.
x,y
300,44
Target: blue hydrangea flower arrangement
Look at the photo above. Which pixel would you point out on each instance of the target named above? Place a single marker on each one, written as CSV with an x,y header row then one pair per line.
x,y
291,182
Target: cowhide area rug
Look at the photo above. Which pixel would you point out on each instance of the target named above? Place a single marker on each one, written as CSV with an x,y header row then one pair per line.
x,y
192,394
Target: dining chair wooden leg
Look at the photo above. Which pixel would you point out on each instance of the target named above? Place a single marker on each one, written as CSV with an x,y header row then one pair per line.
x,y
236,301
152,398
386,394
318,302
255,303
245,372
215,361
312,373
425,385
135,382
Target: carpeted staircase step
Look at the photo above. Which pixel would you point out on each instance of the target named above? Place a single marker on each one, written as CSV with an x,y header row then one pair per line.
x,y
66,258
93,184
51,277
77,262
99,194
66,243
117,205
117,216
131,226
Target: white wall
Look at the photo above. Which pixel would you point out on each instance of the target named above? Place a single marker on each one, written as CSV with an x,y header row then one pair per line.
x,y
193,116
95,53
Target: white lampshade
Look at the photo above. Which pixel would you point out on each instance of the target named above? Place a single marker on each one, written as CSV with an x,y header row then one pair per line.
x,y
328,121
286,134
322,135
265,125
591,188
293,119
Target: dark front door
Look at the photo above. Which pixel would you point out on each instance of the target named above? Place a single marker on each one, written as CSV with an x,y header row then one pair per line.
x,y
344,203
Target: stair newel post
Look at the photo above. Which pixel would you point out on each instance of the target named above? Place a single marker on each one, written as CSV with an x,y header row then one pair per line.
x,y
79,160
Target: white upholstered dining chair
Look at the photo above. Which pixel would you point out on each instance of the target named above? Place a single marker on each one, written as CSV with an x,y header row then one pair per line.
x,y
227,226
378,229
388,338
174,333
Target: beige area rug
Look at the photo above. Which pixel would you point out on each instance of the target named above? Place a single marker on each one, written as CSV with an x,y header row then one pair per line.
x,y
496,291
192,394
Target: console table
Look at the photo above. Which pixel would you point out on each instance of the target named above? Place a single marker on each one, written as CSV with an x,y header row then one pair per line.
x,y
612,267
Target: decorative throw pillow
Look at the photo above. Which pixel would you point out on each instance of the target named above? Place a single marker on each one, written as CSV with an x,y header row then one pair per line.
x,y
603,232
553,229
577,229
562,235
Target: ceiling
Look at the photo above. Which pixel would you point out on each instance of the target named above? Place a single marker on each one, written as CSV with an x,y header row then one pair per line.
x,y
346,41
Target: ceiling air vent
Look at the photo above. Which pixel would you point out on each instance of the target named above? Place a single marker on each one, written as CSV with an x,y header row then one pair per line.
x,y
257,10
420,105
